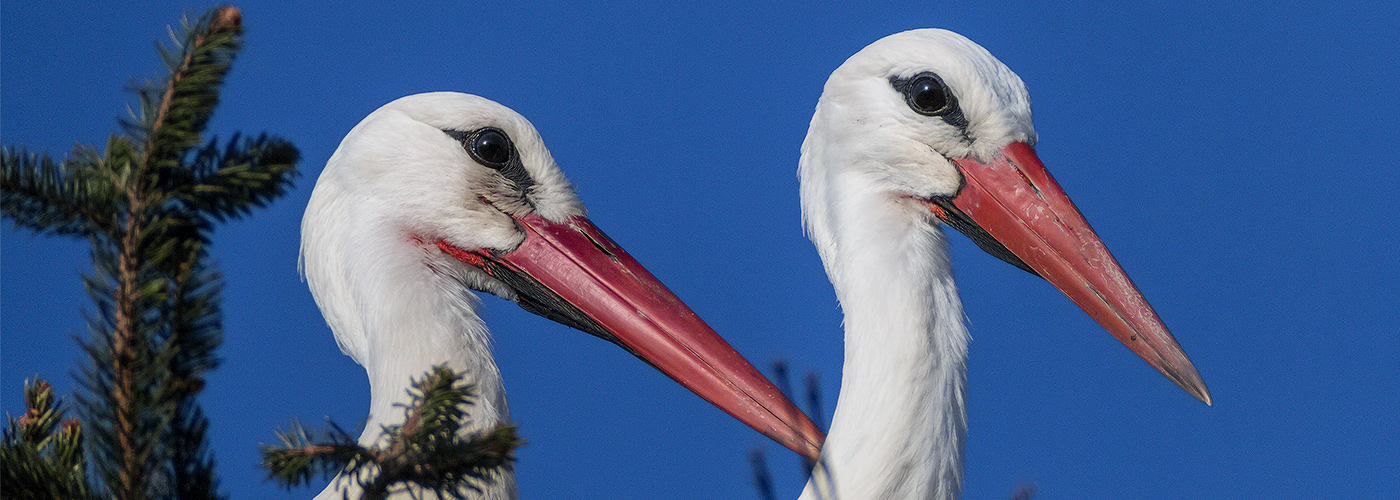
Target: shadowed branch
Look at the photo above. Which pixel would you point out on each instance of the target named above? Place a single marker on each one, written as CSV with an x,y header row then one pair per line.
x,y
427,452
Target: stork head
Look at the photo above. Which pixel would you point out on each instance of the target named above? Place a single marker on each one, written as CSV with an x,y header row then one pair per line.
x,y
456,186
935,125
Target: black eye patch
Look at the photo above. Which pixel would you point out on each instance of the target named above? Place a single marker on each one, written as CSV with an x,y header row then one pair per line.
x,y
492,148
926,94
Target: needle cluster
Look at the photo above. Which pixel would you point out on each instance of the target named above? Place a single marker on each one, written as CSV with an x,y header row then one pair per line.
x,y
427,452
41,455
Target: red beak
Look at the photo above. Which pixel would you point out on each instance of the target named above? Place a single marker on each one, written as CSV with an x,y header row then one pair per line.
x,y
574,274
1030,221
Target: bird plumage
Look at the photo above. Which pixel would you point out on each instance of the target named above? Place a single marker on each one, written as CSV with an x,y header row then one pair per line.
x,y
435,195
397,305
906,130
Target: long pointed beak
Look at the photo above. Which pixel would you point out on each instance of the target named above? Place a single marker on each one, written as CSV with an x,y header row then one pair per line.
x,y
1014,200
573,273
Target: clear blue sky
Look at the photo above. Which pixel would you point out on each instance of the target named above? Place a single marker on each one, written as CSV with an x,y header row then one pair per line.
x,y
1239,161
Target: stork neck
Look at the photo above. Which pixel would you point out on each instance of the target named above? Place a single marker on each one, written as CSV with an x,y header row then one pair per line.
x,y
412,348
403,317
901,416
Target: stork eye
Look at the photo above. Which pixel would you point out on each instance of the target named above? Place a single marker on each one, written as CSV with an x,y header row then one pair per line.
x,y
927,95
491,147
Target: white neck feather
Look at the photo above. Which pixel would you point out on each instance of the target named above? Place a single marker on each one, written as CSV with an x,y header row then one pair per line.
x,y
397,309
429,320
901,416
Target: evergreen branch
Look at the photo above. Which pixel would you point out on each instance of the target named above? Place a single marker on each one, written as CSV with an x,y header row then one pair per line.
x,y
191,464
148,206
151,406
425,453
153,336
301,458
121,394
248,173
51,198
126,345
447,469
35,461
194,319
174,111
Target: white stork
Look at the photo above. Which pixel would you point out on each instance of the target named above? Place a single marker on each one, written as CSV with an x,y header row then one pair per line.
x,y
436,194
921,128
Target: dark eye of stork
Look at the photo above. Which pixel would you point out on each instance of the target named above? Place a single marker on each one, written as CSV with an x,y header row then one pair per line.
x,y
927,95
491,147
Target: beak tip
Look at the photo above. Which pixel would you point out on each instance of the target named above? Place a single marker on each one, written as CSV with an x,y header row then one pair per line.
x,y
1190,380
1202,394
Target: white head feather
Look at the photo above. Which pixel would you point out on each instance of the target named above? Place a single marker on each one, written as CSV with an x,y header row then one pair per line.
x,y
398,176
864,131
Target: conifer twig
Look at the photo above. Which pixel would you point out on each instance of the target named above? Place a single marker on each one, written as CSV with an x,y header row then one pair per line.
x,y
427,452
39,456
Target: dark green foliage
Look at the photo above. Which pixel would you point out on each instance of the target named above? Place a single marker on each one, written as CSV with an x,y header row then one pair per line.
x,y
42,454
147,203
427,450
49,197
229,182
302,457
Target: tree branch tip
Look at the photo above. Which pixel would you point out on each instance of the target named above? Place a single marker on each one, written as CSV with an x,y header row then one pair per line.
x,y
226,18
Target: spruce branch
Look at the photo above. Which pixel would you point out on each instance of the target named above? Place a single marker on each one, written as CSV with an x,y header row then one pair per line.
x,y
247,173
41,456
148,203
175,109
302,457
49,197
427,452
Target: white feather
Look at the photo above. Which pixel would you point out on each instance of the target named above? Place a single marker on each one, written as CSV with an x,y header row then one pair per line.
x,y
901,416
398,305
